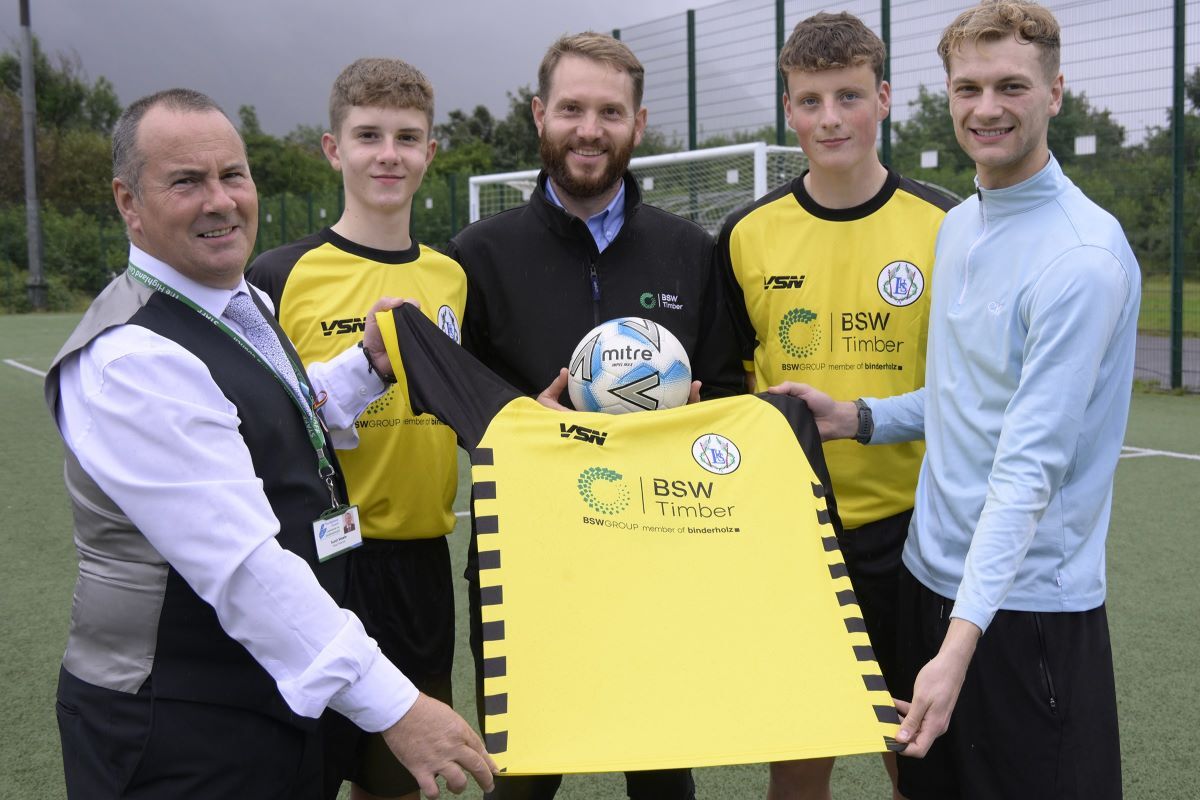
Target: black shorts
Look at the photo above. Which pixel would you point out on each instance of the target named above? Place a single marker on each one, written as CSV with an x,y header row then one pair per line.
x,y
403,592
1037,715
872,555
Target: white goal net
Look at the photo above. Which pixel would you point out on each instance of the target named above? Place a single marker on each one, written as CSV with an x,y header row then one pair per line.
x,y
702,185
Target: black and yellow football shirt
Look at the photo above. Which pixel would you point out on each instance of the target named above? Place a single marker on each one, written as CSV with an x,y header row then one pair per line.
x,y
838,298
404,472
656,591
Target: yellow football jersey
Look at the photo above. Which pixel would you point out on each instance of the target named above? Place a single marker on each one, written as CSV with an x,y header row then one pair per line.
x,y
839,299
658,590
404,473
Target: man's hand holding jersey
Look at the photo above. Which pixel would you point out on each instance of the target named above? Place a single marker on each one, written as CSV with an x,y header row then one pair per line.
x,y
835,419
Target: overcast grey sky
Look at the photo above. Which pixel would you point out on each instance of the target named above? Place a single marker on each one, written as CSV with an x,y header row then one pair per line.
x,y
282,55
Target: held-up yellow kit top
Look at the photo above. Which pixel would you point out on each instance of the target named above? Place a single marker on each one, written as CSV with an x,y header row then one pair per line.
x,y
658,590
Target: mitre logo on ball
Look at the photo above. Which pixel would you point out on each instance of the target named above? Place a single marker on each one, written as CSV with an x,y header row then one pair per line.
x,y
629,364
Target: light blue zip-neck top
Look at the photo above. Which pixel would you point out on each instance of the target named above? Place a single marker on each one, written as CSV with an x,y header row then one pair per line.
x,y
1032,333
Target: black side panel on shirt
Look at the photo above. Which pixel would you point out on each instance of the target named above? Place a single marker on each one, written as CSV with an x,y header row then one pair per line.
x,y
801,419
927,193
270,270
747,338
447,381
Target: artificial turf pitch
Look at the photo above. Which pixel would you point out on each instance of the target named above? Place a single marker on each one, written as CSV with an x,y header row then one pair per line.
x,y
1153,601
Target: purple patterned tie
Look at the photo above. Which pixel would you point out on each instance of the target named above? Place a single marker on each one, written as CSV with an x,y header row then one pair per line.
x,y
261,335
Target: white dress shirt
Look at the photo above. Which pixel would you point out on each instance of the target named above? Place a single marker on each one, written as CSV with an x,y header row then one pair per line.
x,y
149,424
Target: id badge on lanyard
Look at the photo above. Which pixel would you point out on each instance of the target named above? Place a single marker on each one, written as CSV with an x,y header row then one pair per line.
x,y
337,531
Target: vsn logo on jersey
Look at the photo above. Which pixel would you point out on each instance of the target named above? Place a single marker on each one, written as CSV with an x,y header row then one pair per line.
x,y
340,326
447,320
603,490
716,454
581,434
901,283
771,282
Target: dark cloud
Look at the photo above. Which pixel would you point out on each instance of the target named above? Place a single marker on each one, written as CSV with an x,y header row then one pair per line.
x,y
282,55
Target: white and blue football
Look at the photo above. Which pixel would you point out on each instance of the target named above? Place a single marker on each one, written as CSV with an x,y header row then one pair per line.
x,y
629,364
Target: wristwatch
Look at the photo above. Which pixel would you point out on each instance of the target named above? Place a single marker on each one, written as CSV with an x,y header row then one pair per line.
x,y
866,423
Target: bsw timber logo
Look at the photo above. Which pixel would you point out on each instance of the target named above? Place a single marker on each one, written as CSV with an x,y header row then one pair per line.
x,y
649,300
901,283
581,434
603,490
716,454
798,335
340,326
771,282
380,404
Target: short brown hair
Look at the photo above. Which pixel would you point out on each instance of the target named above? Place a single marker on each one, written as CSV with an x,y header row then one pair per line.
x,y
596,47
832,41
379,83
993,20
127,160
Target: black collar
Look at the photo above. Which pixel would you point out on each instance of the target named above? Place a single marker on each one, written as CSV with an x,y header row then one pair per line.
x,y
568,225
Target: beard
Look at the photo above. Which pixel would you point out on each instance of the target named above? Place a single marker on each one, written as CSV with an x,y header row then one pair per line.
x,y
554,160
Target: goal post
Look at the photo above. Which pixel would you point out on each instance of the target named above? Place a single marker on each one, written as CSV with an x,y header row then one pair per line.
x,y
702,185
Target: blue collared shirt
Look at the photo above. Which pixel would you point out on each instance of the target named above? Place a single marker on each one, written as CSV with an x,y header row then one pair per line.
x,y
604,226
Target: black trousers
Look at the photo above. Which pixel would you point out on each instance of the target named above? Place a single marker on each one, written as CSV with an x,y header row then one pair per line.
x,y
1037,715
137,746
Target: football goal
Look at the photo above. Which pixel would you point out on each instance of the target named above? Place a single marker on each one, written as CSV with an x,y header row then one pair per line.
x,y
702,185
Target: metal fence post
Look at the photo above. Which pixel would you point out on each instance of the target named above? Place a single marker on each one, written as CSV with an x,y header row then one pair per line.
x,y
36,287
691,78
452,183
1178,169
780,87
885,33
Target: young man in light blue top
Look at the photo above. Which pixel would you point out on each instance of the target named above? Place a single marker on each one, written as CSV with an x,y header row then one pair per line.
x,y
1031,348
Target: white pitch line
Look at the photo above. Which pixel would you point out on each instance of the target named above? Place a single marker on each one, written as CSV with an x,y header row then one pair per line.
x,y
462,513
1140,452
19,365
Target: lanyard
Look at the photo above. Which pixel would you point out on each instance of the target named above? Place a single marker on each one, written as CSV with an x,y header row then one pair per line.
x,y
311,424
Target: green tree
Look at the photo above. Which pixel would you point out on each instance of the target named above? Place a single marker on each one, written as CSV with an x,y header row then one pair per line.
x,y
461,128
248,121
279,165
1152,167
307,137
1191,87
515,140
929,127
764,134
481,142
65,97
74,118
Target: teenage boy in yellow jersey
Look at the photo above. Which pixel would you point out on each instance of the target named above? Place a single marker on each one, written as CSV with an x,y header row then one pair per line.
x,y
827,278
403,474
